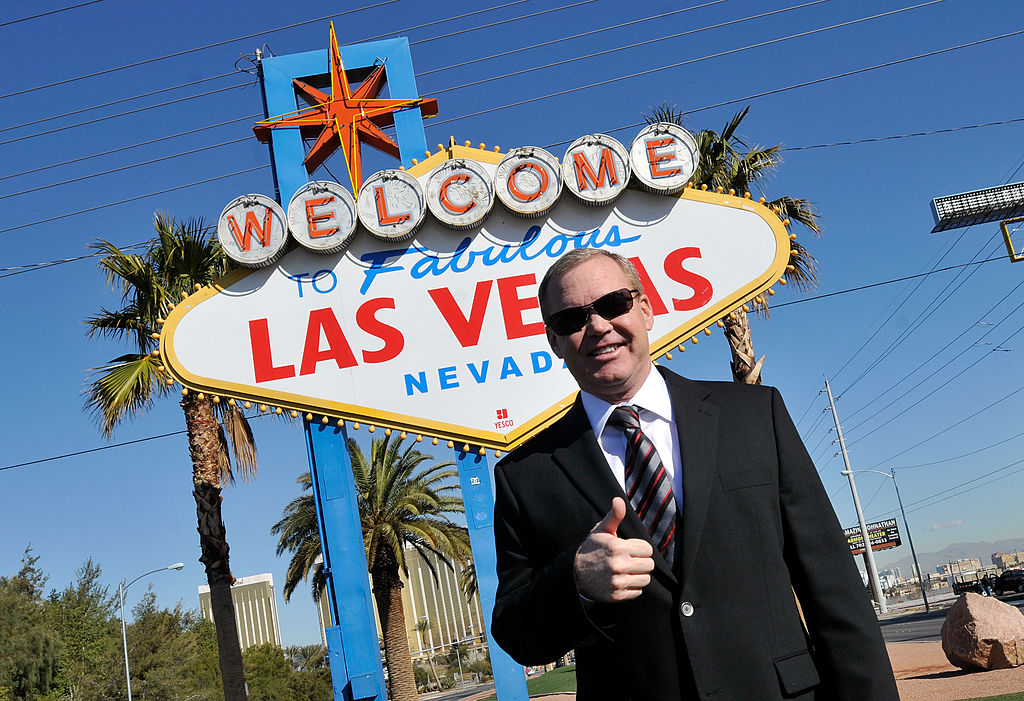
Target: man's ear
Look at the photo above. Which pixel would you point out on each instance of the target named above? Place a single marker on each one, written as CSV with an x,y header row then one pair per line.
x,y
552,342
647,310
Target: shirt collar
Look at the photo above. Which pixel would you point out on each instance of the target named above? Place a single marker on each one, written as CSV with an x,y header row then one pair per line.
x,y
652,396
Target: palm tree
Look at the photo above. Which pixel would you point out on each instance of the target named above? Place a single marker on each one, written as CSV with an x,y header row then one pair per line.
x,y
423,627
727,164
180,258
404,501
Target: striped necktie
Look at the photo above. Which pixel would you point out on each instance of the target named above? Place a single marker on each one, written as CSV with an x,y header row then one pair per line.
x,y
648,485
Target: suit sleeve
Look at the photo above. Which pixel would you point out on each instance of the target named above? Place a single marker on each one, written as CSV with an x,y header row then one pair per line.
x,y
538,613
844,630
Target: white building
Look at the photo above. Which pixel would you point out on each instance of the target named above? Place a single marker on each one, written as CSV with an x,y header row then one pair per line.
x,y
255,609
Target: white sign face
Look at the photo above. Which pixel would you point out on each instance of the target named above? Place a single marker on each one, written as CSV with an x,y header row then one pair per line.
x,y
391,205
664,157
459,193
322,216
528,181
442,334
596,169
253,230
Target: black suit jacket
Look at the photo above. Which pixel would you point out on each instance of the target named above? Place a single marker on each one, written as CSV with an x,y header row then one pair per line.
x,y
756,526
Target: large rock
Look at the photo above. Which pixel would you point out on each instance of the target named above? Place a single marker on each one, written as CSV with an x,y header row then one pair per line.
x,y
983,632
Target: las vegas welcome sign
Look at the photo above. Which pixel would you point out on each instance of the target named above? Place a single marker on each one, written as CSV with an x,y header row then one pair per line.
x,y
413,307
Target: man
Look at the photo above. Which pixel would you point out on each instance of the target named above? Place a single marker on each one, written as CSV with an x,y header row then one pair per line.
x,y
664,540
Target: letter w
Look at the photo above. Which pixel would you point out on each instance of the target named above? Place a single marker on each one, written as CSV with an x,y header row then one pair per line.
x,y
585,176
251,224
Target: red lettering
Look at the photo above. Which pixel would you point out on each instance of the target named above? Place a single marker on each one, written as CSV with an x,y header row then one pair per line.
x,y
447,203
394,342
655,159
513,306
657,303
585,176
466,329
337,349
521,195
700,285
262,363
252,224
382,209
313,219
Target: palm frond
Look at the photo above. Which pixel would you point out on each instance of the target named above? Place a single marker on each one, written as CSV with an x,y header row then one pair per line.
x,y
122,389
240,438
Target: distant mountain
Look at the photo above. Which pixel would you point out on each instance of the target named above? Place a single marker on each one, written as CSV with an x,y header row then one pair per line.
x,y
956,551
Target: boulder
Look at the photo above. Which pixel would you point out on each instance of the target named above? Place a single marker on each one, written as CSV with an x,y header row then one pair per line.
x,y
983,632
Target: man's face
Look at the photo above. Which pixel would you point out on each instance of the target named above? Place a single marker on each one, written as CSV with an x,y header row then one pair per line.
x,y
609,358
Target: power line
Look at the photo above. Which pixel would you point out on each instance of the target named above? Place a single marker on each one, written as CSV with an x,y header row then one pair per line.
x,y
143,62
127,167
124,114
117,102
962,455
132,199
51,12
246,118
628,46
884,282
568,38
32,267
500,22
91,450
745,98
911,135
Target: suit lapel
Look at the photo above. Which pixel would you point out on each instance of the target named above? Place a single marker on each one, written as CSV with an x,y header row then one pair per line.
x,y
583,462
697,428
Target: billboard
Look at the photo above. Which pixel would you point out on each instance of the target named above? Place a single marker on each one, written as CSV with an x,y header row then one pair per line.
x,y
425,318
883,534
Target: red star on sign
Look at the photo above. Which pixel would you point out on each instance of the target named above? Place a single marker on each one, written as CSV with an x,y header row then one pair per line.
x,y
345,118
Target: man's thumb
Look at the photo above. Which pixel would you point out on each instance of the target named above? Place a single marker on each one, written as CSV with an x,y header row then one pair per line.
x,y
610,523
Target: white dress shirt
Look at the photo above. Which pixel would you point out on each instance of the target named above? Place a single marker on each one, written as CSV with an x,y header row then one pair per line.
x,y
657,421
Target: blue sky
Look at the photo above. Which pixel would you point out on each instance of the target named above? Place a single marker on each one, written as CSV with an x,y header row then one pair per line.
x,y
131,507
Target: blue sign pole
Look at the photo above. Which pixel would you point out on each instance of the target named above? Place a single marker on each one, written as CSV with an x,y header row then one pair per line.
x,y
478,498
356,669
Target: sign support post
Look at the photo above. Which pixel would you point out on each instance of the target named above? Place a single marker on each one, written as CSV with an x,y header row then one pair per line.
x,y
356,670
478,498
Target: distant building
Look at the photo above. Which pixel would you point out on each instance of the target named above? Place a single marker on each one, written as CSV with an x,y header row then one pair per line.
x,y
1005,561
452,615
961,566
255,609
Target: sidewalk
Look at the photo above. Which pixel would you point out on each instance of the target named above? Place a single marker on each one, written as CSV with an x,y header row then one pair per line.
x,y
922,674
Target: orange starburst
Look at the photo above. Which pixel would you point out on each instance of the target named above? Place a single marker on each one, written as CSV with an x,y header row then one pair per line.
x,y
345,117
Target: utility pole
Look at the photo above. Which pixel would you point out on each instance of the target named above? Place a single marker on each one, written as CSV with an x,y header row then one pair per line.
x,y
869,555
910,539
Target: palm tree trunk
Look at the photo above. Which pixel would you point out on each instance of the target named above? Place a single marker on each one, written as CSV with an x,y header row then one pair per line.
x,y
205,445
387,592
737,333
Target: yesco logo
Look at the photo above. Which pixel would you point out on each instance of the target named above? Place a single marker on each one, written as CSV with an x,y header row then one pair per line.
x,y
460,193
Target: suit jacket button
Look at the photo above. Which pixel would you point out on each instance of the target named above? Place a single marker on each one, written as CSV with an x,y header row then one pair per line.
x,y
686,608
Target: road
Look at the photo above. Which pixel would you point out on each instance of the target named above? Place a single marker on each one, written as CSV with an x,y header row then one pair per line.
x,y
457,694
920,627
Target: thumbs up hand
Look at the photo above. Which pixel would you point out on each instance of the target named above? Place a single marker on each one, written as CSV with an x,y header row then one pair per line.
x,y
609,568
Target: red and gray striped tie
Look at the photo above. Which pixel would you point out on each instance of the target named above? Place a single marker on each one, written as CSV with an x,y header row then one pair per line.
x,y
648,485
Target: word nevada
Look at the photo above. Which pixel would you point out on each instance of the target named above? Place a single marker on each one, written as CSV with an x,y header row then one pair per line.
x,y
460,193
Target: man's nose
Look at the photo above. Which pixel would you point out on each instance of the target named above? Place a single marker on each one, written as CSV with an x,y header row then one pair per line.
x,y
597,324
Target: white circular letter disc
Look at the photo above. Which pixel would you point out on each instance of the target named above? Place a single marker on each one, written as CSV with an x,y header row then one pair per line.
x,y
460,193
391,205
322,216
253,230
664,157
596,168
528,181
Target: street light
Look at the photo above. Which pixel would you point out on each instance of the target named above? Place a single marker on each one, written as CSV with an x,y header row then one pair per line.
x,y
121,588
920,580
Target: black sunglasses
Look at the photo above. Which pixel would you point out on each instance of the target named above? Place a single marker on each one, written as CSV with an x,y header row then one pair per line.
x,y
612,305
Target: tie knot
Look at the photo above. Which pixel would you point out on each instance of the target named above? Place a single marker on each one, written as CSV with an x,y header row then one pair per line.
x,y
625,416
